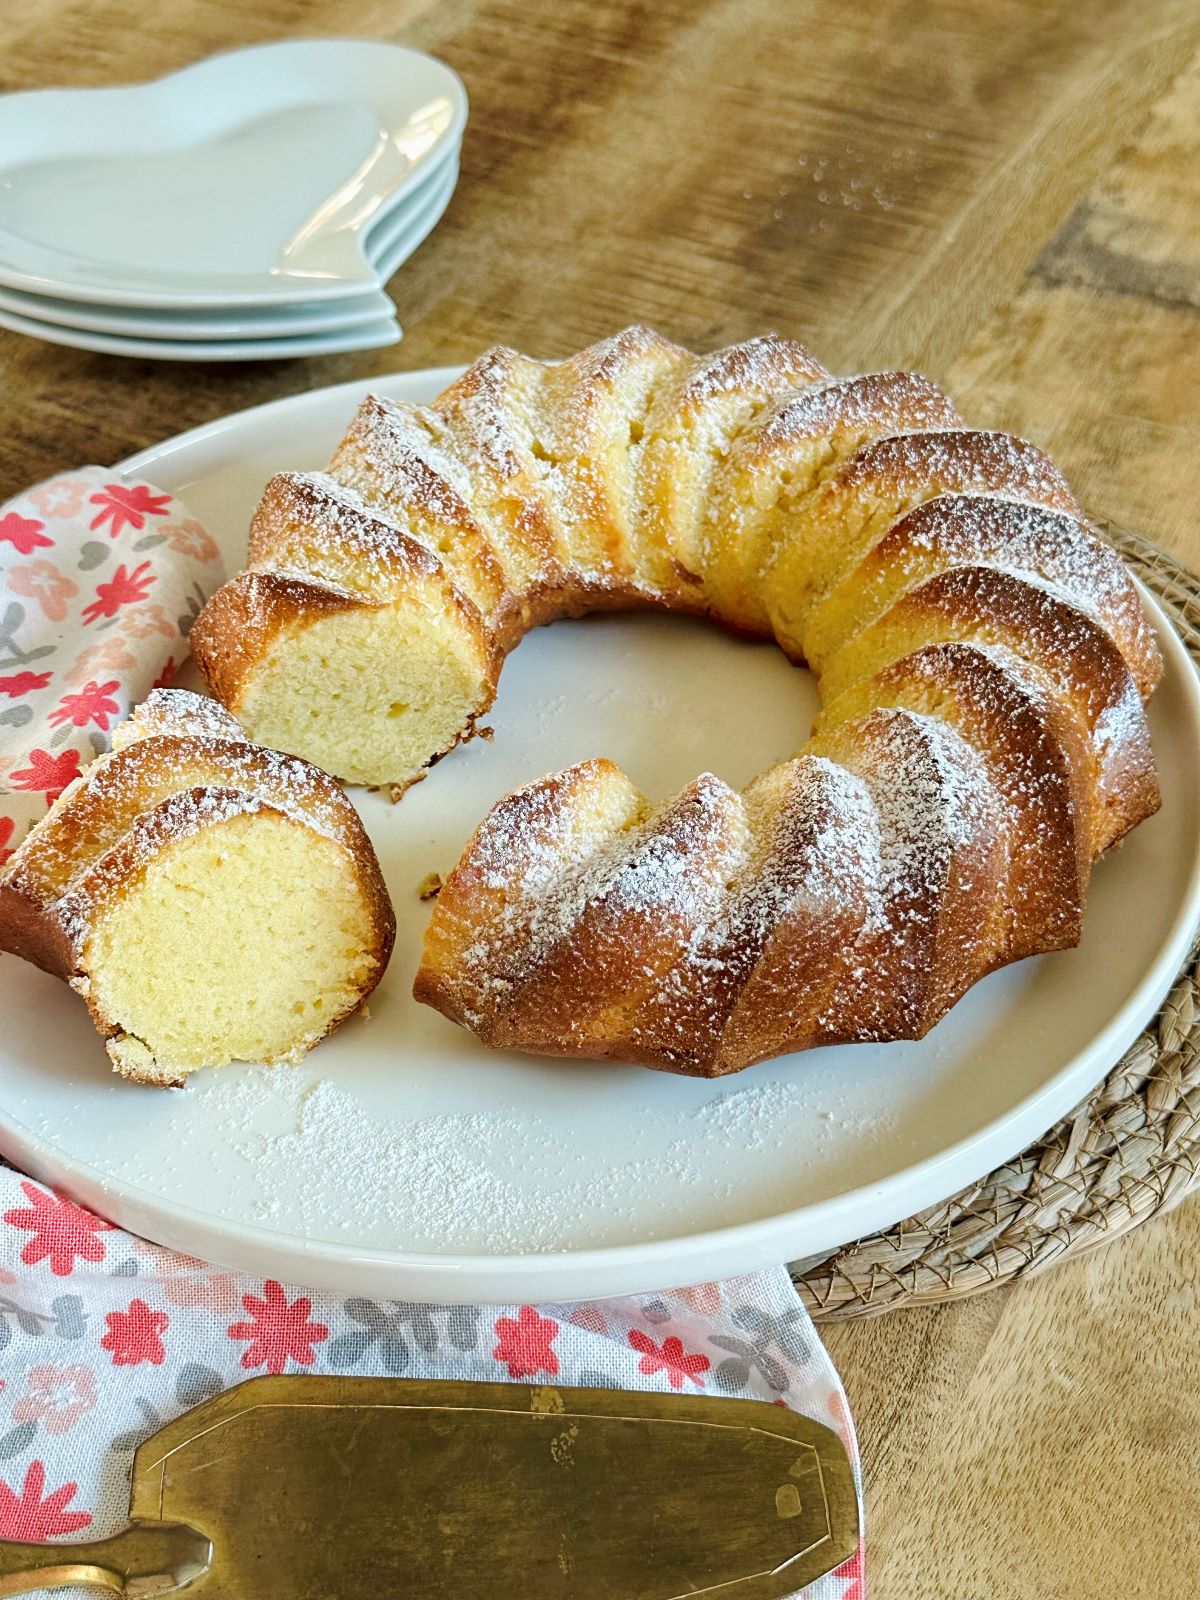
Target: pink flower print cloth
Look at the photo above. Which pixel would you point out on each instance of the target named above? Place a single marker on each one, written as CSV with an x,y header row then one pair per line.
x,y
104,1338
100,580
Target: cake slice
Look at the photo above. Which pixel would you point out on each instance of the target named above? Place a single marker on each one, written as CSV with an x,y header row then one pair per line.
x,y
210,899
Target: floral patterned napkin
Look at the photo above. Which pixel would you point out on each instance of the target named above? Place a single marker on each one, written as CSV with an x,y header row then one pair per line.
x,y
100,580
104,1338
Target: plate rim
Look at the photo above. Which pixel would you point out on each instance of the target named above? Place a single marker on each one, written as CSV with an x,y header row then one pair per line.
x,y
374,332
645,1265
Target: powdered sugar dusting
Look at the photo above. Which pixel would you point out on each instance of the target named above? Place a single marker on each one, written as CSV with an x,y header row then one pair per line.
x,y
180,773
398,451
669,869
1017,536
178,712
934,795
479,408
311,1150
805,473
953,459
856,408
759,367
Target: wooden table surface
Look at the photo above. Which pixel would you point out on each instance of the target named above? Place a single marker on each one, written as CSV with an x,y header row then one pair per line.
x,y
1002,194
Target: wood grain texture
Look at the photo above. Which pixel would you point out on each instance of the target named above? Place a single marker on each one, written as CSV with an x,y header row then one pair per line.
x,y
1004,194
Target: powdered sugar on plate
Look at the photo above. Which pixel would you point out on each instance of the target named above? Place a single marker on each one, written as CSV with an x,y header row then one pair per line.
x,y
307,1149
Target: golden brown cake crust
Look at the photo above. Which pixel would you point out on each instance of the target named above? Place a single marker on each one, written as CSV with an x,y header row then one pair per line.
x,y
175,775
983,660
245,618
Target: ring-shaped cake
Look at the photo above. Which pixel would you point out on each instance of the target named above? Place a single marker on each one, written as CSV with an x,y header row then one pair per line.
x,y
982,656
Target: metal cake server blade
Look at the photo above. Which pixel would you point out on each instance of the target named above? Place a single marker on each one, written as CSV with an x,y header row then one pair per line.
x,y
313,1488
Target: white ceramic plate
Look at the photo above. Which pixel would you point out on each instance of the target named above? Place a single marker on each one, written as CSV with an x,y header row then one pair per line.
x,y
402,1159
370,334
394,239
246,179
398,229
266,322
399,237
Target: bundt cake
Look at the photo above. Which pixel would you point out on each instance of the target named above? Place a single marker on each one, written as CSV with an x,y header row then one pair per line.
x,y
983,660
211,900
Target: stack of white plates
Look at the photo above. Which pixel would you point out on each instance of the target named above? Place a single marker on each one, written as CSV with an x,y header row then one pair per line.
x,y
249,207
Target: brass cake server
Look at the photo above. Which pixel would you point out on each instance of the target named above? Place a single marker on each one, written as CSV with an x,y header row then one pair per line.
x,y
312,1488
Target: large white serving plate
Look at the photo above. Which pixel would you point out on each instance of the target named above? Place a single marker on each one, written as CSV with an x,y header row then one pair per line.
x,y
402,1159
246,179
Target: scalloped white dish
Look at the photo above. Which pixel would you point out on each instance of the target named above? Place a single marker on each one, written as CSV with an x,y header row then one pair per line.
x,y
372,333
154,336
402,1159
388,241
248,179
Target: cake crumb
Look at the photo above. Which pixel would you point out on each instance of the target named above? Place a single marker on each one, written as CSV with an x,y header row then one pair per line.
x,y
396,791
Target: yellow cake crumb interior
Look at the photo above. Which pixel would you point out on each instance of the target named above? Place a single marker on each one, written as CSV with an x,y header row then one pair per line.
x,y
244,941
325,695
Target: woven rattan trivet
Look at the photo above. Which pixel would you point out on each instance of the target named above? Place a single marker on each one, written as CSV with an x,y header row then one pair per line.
x,y
1127,1151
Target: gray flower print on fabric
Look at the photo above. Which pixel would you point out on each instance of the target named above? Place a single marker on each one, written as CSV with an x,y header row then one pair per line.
x,y
195,604
462,1327
379,1328
786,1331
656,1311
92,554
461,1330
150,1423
388,1329
197,1383
17,1439
11,653
70,1319
66,1319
